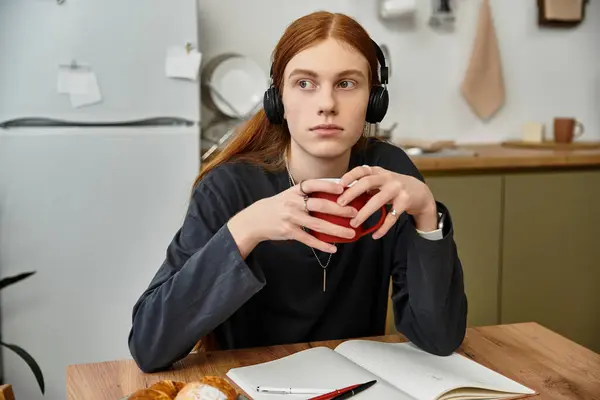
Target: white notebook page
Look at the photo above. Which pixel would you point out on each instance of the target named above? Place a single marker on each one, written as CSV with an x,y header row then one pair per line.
x,y
318,367
423,375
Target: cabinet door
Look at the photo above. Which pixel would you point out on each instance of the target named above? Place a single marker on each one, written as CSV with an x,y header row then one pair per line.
x,y
551,259
475,206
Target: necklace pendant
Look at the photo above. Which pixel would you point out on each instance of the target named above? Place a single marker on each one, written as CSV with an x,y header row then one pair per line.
x,y
324,279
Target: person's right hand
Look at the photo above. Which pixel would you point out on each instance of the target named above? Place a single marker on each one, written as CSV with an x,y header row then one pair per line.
x,y
281,217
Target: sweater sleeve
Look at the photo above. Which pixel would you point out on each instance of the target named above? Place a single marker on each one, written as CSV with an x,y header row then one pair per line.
x,y
430,305
202,281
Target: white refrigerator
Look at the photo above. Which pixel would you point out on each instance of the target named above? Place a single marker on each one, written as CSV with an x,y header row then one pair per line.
x,y
90,196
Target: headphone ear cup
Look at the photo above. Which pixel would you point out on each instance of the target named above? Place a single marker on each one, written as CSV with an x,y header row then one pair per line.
x,y
273,106
378,105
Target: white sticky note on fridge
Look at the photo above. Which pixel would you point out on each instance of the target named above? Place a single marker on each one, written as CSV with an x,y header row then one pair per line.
x,y
182,64
73,79
84,90
63,83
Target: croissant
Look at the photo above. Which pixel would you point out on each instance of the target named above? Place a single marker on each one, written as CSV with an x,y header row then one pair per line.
x,y
170,388
207,388
149,394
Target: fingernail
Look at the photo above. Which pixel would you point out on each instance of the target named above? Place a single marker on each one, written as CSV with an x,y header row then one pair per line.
x,y
353,223
342,202
333,249
353,212
376,236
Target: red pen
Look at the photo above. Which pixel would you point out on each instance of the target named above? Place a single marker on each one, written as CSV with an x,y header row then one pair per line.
x,y
329,395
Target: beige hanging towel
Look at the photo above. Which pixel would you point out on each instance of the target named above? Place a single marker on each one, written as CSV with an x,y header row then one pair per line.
x,y
483,85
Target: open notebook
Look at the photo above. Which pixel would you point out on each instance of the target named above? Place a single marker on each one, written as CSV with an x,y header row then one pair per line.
x,y
402,370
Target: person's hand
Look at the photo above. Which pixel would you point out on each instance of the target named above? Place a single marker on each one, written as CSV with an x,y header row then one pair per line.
x,y
405,193
281,217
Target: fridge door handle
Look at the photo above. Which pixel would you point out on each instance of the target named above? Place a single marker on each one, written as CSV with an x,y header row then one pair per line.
x,y
34,122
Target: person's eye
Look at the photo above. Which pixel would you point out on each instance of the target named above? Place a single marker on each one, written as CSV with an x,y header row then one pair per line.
x,y
305,84
346,84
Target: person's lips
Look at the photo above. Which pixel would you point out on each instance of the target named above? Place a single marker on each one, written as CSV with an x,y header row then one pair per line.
x,y
327,129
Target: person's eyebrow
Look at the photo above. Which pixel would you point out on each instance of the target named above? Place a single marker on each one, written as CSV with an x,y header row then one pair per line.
x,y
303,72
313,74
350,72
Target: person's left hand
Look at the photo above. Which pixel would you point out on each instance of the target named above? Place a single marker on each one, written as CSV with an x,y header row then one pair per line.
x,y
403,192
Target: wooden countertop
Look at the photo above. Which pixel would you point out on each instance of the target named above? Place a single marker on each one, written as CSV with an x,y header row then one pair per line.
x,y
496,156
552,365
490,157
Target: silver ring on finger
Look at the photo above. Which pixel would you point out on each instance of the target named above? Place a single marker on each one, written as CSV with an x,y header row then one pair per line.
x,y
394,213
302,190
306,204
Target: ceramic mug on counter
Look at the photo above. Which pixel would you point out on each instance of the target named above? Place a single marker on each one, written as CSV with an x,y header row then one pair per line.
x,y
357,203
567,129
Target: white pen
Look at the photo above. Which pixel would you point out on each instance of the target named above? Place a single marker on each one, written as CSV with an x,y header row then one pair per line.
x,y
289,390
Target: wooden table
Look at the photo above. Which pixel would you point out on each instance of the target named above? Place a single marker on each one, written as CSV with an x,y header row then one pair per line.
x,y
556,367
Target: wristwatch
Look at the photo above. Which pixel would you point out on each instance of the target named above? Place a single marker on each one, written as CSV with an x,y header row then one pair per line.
x,y
441,218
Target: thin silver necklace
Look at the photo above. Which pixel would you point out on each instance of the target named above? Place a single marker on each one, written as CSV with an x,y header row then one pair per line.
x,y
324,267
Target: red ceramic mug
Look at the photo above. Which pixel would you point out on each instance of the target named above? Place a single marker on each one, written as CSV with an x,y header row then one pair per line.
x,y
357,203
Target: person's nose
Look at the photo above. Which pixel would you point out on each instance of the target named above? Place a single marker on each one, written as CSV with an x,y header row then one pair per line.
x,y
327,103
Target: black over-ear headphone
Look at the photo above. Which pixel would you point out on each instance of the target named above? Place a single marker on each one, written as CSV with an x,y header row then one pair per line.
x,y
376,109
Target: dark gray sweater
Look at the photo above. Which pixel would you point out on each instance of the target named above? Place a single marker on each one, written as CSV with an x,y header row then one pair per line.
x,y
275,295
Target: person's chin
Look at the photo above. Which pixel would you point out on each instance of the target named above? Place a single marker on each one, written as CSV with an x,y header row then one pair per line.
x,y
329,148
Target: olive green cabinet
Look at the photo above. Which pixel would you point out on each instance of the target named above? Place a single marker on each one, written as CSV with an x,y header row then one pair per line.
x,y
475,204
529,243
551,253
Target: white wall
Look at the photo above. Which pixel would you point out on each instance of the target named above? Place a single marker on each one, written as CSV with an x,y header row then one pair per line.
x,y
548,73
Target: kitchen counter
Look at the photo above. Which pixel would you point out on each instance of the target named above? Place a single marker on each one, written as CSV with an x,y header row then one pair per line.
x,y
494,156
526,227
498,157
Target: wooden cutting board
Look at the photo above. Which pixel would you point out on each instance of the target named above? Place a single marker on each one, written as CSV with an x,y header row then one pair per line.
x,y
428,146
549,145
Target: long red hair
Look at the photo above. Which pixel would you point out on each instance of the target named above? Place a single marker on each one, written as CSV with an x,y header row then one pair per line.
x,y
262,143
